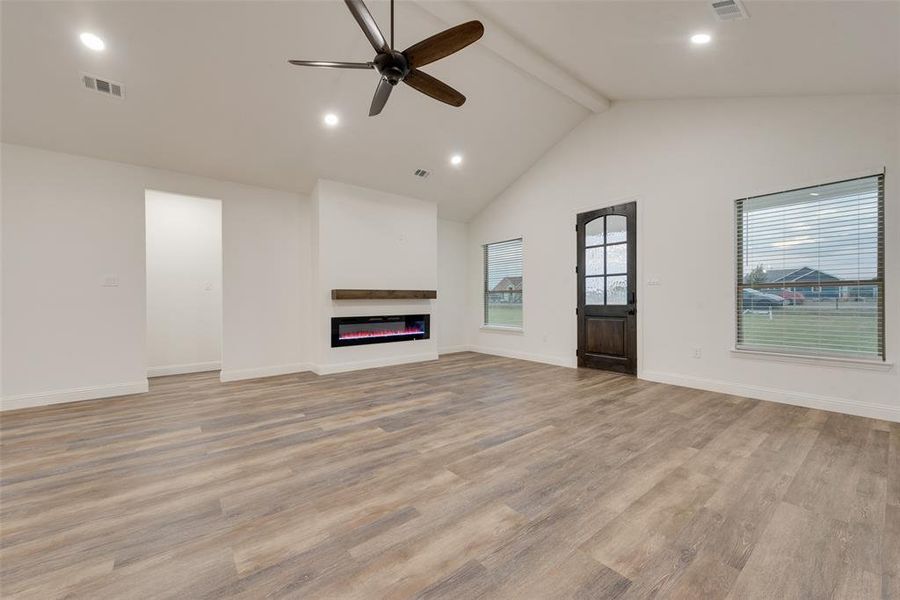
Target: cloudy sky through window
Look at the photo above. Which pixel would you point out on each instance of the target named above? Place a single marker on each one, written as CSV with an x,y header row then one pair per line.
x,y
831,228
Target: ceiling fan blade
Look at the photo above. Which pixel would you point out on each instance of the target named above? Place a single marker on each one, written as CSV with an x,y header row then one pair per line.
x,y
382,93
327,64
368,25
443,44
435,88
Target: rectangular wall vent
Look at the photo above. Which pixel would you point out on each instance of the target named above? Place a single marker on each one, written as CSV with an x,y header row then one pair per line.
x,y
103,86
729,10
423,173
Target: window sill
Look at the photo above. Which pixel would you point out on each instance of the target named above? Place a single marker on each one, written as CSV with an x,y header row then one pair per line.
x,y
503,329
831,361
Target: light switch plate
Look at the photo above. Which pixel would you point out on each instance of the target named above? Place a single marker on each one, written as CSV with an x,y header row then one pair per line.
x,y
110,280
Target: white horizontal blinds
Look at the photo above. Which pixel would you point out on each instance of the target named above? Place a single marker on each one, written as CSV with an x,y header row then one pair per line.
x,y
503,283
810,265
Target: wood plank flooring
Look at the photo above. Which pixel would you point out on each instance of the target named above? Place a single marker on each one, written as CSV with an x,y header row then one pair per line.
x,y
470,477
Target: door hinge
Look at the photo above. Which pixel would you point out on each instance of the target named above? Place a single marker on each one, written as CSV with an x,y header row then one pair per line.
x,y
576,312
576,269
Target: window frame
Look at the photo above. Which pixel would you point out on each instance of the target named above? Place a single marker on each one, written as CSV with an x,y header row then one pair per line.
x,y
485,325
879,281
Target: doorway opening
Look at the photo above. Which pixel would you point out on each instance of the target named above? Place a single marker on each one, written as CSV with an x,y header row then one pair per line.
x,y
184,283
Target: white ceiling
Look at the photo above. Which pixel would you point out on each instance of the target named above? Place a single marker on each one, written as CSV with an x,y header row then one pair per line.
x,y
640,50
209,91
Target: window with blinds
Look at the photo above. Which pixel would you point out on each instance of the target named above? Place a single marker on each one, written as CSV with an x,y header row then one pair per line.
x,y
810,270
503,284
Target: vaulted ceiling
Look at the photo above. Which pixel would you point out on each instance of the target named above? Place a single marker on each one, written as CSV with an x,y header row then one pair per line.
x,y
639,50
209,91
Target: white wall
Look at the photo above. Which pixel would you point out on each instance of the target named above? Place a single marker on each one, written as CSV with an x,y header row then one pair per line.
x,y
267,283
369,239
70,221
184,283
450,306
685,162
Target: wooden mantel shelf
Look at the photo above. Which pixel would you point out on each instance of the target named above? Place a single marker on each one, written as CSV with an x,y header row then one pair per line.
x,y
383,294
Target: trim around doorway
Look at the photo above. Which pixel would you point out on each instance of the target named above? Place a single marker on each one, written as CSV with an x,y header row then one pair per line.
x,y
182,369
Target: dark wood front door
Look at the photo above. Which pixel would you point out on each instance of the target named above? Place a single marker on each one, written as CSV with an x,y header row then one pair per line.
x,y
607,297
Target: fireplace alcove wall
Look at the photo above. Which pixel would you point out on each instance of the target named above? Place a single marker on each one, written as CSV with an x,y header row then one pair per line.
x,y
375,254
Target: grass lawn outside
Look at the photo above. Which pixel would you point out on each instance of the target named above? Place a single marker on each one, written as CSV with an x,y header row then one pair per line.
x,y
504,315
846,328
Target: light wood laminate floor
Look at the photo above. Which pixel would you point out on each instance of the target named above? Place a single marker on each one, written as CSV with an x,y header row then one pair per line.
x,y
470,477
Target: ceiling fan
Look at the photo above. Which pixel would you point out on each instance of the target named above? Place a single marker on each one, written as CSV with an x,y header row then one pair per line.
x,y
394,66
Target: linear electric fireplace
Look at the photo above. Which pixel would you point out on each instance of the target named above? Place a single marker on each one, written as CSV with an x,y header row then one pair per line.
x,y
356,331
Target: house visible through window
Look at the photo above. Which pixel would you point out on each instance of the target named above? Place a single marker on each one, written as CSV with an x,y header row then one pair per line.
x,y
503,284
810,270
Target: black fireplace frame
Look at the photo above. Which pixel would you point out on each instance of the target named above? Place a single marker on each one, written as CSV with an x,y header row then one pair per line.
x,y
408,320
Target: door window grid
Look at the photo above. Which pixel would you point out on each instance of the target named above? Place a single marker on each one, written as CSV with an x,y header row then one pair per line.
x,y
598,277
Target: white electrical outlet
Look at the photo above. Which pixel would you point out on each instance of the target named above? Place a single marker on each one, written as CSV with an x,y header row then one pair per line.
x,y
653,281
110,281
697,353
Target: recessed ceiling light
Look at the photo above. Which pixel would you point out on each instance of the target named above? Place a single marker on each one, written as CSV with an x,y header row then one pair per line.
x,y
456,160
92,41
331,120
701,38
814,193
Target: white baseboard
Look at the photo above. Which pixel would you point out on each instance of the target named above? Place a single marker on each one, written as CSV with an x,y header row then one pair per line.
x,y
73,395
454,349
830,403
181,369
257,372
371,364
541,358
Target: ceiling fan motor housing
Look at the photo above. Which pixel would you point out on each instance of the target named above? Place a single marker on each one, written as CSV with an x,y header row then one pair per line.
x,y
392,65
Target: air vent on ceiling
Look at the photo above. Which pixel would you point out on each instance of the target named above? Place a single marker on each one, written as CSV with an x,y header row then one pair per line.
x,y
106,87
423,173
729,10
